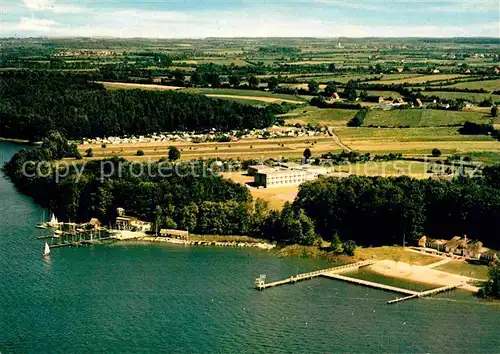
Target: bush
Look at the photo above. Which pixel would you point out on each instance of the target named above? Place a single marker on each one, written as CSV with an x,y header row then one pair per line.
x,y
436,152
139,153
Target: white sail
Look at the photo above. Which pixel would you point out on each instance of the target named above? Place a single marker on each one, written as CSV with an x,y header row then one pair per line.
x,y
53,220
46,250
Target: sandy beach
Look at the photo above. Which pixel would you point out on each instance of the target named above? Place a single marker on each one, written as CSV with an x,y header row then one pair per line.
x,y
421,274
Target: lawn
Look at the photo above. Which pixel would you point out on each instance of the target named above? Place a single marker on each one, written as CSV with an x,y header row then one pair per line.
x,y
466,269
394,253
422,117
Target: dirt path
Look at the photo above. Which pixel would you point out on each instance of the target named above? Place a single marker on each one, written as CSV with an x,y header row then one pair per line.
x,y
337,140
255,98
437,264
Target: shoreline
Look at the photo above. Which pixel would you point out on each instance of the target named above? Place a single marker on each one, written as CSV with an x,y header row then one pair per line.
x,y
19,141
155,239
420,274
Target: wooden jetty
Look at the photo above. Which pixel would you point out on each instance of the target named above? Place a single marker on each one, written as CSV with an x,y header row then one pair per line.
x,y
333,273
260,283
426,293
371,284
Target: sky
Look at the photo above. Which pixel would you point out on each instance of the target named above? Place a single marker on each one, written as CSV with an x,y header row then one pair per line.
x,y
249,18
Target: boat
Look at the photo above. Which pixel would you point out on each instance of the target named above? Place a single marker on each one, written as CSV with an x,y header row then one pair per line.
x,y
42,224
53,221
46,250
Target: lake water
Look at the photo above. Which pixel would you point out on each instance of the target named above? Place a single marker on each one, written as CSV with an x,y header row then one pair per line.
x,y
163,298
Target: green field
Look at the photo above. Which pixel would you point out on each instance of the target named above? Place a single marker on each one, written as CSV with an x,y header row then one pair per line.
x,y
236,92
315,115
469,96
486,84
422,117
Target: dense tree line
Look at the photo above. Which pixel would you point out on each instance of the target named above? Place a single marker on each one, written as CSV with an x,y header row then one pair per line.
x,y
29,108
187,196
383,211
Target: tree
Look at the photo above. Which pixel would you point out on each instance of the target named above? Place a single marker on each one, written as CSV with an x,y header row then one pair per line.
x,y
313,87
331,67
253,81
494,111
89,153
349,247
363,95
307,154
350,93
173,153
272,83
140,153
436,152
330,88
234,80
491,287
196,79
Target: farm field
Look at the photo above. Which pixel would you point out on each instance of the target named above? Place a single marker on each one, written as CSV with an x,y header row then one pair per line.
x,y
485,84
469,96
388,168
422,117
419,79
246,93
130,86
416,142
243,149
315,115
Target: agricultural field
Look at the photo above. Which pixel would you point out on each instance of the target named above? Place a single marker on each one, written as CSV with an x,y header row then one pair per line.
x,y
249,94
415,142
489,85
422,118
314,115
419,79
130,86
243,149
469,96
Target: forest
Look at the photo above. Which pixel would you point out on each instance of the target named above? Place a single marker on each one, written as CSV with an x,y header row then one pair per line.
x,y
31,107
385,211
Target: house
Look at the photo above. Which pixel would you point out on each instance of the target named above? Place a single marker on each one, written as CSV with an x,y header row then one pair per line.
x,y
421,241
488,255
157,80
180,234
399,100
418,102
131,223
435,71
334,96
94,224
376,99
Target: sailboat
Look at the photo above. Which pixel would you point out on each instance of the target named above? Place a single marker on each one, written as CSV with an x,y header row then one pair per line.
x,y
42,224
46,250
53,221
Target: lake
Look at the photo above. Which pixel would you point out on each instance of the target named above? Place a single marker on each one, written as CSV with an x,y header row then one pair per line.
x,y
165,298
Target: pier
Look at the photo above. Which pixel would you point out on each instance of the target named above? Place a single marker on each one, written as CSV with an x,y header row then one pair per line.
x,y
333,273
260,283
426,293
371,284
